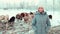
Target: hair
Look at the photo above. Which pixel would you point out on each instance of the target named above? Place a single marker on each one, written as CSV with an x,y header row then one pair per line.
x,y
12,19
50,16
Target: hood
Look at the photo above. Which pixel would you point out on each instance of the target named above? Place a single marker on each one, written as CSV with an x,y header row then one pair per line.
x,y
38,13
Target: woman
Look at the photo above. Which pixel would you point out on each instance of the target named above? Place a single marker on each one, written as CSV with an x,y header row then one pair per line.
x,y
40,22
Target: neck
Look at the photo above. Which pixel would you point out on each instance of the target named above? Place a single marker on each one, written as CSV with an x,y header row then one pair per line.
x,y
41,12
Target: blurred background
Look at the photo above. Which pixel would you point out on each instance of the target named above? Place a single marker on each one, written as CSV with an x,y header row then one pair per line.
x,y
12,7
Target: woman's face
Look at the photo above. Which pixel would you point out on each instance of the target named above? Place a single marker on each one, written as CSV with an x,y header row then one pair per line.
x,y
40,9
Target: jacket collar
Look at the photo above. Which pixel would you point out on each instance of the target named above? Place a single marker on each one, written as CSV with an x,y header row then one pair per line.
x,y
37,12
